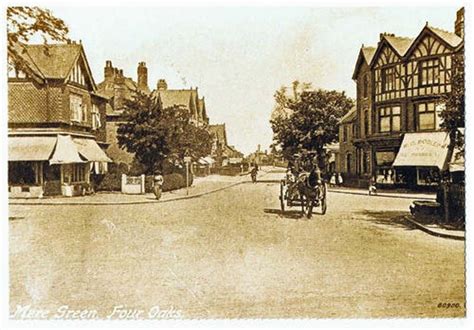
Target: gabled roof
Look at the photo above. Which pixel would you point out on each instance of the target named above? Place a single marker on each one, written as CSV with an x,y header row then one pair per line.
x,y
365,54
55,61
399,44
179,97
350,116
219,132
450,38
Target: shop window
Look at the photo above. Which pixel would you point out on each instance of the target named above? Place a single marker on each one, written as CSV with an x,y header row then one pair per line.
x,y
22,173
429,72
428,176
78,173
389,119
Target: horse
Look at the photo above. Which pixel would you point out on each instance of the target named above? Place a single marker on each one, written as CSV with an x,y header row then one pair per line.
x,y
309,186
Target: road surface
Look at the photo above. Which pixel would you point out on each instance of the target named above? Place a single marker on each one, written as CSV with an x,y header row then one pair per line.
x,y
233,254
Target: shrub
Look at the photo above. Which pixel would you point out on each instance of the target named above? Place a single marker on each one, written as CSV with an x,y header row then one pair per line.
x,y
170,182
112,180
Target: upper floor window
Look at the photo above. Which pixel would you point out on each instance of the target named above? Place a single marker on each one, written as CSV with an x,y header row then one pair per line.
x,y
428,115
365,86
389,119
344,133
78,108
96,117
388,79
429,72
366,122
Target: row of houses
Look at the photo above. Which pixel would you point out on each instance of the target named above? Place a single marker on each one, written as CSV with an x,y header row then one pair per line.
x,y
62,126
393,134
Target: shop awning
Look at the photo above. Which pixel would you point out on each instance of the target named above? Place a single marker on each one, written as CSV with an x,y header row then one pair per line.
x,y
65,151
30,148
209,160
90,150
423,149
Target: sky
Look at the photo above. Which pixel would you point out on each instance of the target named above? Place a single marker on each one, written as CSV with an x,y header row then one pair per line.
x,y
238,57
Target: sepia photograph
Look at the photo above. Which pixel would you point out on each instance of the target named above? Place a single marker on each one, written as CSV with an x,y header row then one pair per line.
x,y
235,162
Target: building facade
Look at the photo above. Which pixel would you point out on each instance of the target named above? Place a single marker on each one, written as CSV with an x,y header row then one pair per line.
x,y
56,122
401,86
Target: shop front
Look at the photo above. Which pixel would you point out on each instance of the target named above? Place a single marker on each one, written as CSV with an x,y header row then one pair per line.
x,y
421,159
52,165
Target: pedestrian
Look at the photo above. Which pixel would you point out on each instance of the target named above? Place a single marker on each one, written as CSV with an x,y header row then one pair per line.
x,y
158,184
372,186
340,181
253,173
332,181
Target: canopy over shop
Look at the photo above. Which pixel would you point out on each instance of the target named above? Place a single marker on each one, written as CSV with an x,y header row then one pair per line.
x,y
422,157
47,163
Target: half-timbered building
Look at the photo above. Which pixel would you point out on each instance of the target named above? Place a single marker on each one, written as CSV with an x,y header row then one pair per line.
x,y
400,88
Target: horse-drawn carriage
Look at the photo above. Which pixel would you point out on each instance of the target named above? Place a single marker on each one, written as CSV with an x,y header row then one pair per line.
x,y
304,188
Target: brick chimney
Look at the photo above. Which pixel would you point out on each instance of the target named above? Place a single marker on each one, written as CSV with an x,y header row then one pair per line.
x,y
142,77
108,70
459,24
161,85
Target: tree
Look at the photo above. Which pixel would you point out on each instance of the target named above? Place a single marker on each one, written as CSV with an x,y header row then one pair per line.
x,y
313,122
24,23
155,134
453,113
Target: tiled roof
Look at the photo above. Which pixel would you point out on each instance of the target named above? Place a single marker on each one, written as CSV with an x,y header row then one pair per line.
x,y
400,44
451,38
172,97
53,61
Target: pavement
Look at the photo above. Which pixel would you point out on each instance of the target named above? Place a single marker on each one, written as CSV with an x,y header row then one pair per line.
x,y
235,254
437,230
200,187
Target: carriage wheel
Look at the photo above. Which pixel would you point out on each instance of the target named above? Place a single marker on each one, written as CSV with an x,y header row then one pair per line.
x,y
324,205
309,208
306,206
282,195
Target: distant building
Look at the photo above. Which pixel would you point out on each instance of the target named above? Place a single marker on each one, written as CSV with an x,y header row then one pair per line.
x,y
56,123
347,151
400,88
119,88
187,98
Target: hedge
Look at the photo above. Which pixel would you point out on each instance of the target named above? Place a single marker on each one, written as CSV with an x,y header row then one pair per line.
x,y
170,182
112,180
